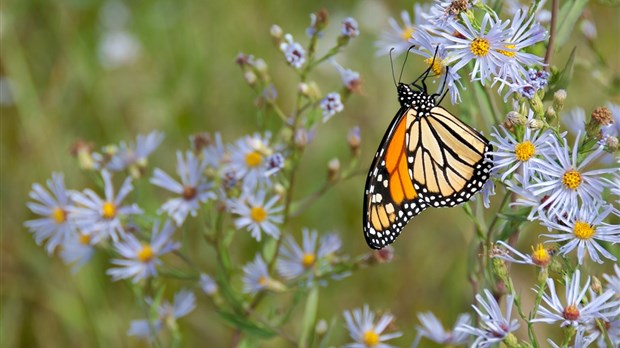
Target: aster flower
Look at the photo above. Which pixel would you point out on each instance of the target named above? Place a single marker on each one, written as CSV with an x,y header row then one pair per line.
x,y
432,329
167,314
140,260
77,250
614,128
293,52
581,340
249,160
101,218
565,180
54,225
541,14
364,331
540,256
613,281
350,79
444,13
208,284
582,231
482,45
575,120
256,215
527,199
612,330
331,105
435,52
134,155
256,277
494,325
350,28
398,36
296,260
213,150
193,188
512,154
575,313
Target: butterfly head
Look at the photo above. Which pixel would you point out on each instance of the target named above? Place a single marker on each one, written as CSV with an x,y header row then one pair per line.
x,y
406,95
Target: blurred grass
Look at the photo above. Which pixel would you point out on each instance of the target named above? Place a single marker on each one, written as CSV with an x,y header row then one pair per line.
x,y
185,81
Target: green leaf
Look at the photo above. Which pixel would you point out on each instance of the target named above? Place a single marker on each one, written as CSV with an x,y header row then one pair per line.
x,y
246,325
563,79
567,19
309,319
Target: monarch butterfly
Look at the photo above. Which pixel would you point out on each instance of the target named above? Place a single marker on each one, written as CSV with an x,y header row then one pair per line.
x,y
427,158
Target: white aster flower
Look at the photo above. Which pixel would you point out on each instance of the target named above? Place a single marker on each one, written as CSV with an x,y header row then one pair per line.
x,y
581,340
256,277
613,281
54,226
295,260
350,28
350,79
214,152
135,154
494,326
193,188
432,329
575,120
252,160
614,128
101,218
512,154
540,256
483,46
365,332
141,259
525,197
208,284
77,250
256,215
566,182
331,105
583,230
575,312
444,13
397,37
293,52
167,314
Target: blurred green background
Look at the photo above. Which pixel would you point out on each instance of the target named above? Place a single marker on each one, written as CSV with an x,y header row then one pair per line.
x,y
180,78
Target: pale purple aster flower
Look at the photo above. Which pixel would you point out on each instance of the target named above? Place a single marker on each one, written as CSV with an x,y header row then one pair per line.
x,y
580,341
432,329
311,30
256,276
139,260
575,312
101,218
350,28
167,313
494,326
208,284
566,182
135,154
77,250
525,198
541,14
295,260
397,37
588,29
614,128
612,330
350,79
293,52
444,13
512,154
193,188
214,153
574,120
488,190
540,256
256,214
331,105
482,45
54,226
365,332
613,281
582,231
249,160
435,52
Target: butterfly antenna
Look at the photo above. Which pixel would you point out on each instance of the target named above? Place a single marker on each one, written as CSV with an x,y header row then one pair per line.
x,y
442,87
424,75
392,65
405,62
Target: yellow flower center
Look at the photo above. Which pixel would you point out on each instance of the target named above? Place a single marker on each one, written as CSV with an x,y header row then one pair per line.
x,y
572,179
370,338
262,281
571,313
582,230
540,256
253,158
480,47
84,239
524,151
146,254
59,215
508,54
109,210
406,34
308,260
258,214
437,65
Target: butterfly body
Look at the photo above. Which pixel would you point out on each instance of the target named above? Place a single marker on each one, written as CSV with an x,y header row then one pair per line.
x,y
427,158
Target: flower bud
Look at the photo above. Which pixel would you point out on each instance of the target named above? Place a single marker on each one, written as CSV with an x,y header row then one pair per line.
x,y
276,34
280,190
499,268
596,285
602,116
537,106
250,78
261,66
611,144
333,169
321,328
516,118
301,138
550,114
354,139
534,124
82,151
559,97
